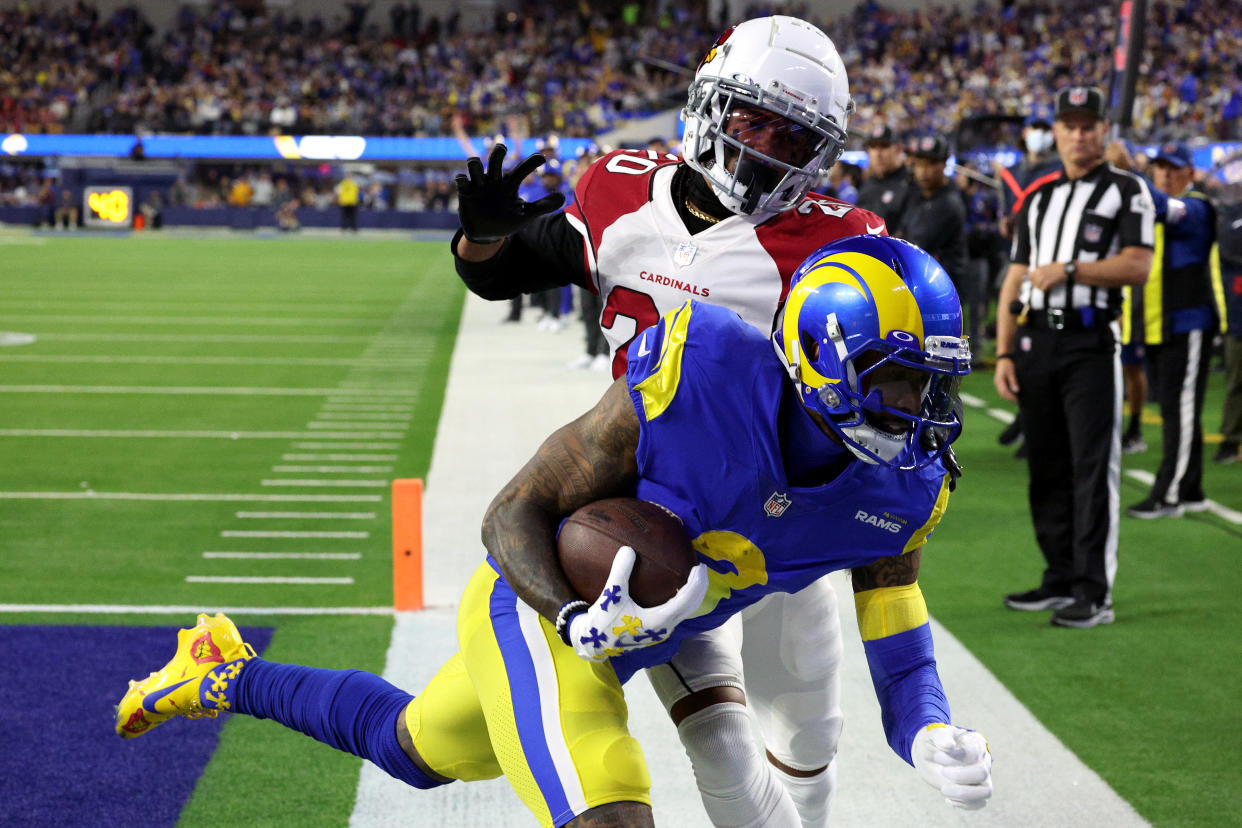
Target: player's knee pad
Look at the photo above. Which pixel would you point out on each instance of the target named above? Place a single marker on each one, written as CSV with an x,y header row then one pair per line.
x,y
737,784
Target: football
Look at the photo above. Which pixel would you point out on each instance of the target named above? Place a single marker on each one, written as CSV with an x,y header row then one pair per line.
x,y
590,537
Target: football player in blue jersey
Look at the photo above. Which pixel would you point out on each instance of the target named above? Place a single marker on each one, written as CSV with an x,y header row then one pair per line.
x,y
833,453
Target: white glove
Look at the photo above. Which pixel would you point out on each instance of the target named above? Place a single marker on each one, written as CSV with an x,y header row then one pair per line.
x,y
614,623
955,762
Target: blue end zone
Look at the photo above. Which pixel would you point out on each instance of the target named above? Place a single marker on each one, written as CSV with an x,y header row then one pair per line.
x,y
63,763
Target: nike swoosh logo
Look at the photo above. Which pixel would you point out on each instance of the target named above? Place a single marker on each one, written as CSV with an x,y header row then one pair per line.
x,y
643,350
875,231
152,698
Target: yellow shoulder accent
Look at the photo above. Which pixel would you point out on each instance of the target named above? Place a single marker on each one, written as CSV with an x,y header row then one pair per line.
x,y
937,512
659,388
889,610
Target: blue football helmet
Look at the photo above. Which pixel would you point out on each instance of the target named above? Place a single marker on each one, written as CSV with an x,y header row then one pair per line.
x,y
855,306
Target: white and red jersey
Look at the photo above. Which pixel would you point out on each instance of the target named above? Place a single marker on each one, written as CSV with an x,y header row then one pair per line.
x,y
643,262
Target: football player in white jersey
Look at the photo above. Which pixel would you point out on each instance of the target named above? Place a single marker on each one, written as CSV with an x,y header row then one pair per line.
x,y
727,224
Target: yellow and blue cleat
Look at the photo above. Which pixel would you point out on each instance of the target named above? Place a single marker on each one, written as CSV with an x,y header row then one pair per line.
x,y
193,684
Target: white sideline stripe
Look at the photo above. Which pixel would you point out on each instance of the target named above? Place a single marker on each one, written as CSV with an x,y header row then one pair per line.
x,y
364,415
272,533
366,484
280,556
125,337
1145,477
237,321
345,469
197,435
264,579
240,391
192,497
338,457
173,609
309,515
212,360
379,446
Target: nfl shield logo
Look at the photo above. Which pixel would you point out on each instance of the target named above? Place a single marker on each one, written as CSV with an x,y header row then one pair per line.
x,y
1092,233
777,504
1078,96
685,254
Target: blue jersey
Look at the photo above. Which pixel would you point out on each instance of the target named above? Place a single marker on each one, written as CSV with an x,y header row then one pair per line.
x,y
708,390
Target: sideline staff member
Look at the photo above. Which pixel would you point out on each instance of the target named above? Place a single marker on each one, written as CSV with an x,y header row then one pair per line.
x,y
1077,240
1177,317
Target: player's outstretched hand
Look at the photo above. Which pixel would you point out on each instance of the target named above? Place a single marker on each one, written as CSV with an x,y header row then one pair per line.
x,y
488,204
615,623
955,762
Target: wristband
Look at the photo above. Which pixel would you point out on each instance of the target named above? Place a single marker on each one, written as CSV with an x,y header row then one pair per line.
x,y
999,357
568,610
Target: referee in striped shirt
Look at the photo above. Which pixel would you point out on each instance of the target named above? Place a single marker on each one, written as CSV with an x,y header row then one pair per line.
x,y
1077,241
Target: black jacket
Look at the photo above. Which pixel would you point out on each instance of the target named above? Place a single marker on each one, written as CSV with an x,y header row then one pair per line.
x,y
938,225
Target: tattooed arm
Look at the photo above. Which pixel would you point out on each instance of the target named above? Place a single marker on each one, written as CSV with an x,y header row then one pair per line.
x,y
589,459
899,570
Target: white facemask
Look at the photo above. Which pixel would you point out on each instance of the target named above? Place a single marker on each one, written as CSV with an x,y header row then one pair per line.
x,y
1037,140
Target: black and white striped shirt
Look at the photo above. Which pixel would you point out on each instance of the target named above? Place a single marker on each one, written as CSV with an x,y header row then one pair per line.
x,y
1084,220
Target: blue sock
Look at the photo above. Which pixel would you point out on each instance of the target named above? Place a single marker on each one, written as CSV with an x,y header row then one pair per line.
x,y
350,710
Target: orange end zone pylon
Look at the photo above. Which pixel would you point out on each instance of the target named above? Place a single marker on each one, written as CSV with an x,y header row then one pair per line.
x,y
407,544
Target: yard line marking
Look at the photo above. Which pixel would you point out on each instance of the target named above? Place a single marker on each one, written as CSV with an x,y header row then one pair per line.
x,y
139,609
127,337
266,579
332,406
187,389
338,456
263,321
193,497
1145,477
307,515
266,533
330,469
369,484
347,426
227,305
280,556
314,445
203,435
213,360
1219,509
364,415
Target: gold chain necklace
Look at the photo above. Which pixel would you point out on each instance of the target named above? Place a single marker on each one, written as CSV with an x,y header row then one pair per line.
x,y
699,214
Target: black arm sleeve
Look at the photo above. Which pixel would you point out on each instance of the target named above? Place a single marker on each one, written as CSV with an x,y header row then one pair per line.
x,y
546,253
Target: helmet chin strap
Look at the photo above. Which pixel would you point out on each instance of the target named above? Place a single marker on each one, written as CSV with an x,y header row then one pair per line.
x,y
758,181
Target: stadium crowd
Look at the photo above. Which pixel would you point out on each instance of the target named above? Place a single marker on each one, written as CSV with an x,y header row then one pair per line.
x,y
221,71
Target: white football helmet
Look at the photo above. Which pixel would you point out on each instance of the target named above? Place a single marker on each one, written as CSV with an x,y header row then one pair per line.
x,y
767,114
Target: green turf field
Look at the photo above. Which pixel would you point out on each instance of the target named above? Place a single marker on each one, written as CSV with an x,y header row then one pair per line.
x,y
202,368
313,360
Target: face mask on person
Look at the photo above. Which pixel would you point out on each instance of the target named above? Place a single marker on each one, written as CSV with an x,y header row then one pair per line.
x,y
1038,140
